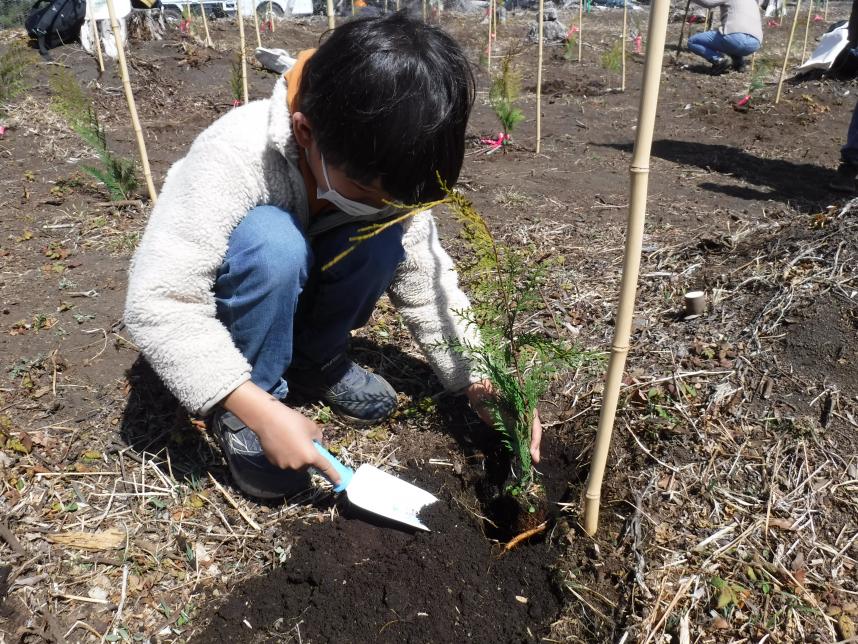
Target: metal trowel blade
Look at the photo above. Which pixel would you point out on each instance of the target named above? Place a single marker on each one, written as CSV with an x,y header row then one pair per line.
x,y
385,495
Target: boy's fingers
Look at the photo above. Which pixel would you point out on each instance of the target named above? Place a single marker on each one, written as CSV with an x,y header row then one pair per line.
x,y
326,469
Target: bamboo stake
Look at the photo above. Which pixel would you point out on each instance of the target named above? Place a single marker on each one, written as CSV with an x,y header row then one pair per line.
x,y
424,10
786,56
256,26
270,17
541,25
682,28
332,22
132,107
806,30
353,7
625,35
825,12
243,52
489,48
580,29
209,42
639,171
95,37
708,24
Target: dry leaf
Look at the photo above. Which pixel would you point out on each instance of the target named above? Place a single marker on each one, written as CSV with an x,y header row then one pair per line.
x,y
783,524
846,627
720,623
102,540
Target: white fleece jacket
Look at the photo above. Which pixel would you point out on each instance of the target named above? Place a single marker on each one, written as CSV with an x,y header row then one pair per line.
x,y
247,158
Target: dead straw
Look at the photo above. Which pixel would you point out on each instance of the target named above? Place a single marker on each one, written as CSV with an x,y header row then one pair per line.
x,y
132,107
631,264
788,48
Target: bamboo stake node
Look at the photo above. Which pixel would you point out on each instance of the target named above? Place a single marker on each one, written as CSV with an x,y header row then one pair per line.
x,y
639,176
332,21
541,25
786,55
132,107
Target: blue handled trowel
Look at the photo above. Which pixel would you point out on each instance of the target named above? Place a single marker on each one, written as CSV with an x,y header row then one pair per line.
x,y
379,492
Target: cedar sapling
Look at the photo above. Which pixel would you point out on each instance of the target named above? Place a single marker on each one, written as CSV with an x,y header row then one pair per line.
x,y
235,81
503,95
516,354
116,173
519,357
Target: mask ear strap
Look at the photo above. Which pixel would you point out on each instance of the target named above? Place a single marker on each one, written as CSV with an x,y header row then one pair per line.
x,y
325,171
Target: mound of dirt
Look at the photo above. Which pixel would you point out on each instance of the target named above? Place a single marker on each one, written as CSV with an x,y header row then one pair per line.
x,y
356,578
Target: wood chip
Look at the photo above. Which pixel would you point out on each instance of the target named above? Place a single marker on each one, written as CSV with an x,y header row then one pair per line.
x,y
102,540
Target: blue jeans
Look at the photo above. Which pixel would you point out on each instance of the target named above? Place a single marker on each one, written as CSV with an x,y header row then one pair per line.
x,y
278,305
849,152
711,45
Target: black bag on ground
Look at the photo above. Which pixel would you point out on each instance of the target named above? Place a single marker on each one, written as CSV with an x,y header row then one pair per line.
x,y
55,22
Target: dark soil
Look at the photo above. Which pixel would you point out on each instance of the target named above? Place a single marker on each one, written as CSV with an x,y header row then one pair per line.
x,y
379,583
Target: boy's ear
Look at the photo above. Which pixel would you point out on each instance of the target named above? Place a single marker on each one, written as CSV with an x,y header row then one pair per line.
x,y
302,130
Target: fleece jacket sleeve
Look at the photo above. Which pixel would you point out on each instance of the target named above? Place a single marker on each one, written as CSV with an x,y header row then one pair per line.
x,y
426,292
170,305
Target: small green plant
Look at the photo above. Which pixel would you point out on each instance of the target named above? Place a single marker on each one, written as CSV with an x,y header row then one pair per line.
x,y
503,94
612,60
116,173
236,85
570,48
13,66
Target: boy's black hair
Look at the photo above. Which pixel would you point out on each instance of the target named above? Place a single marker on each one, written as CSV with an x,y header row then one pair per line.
x,y
389,98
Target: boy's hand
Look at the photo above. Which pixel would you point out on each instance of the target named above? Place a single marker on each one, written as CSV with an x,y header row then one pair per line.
x,y
286,435
477,394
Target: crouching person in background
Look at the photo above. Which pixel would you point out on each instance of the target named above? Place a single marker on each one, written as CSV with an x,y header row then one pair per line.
x,y
740,35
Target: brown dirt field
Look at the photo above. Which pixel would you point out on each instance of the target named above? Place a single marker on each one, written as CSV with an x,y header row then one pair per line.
x,y
729,506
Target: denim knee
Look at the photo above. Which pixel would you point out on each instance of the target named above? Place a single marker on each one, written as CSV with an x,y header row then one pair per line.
x,y
270,243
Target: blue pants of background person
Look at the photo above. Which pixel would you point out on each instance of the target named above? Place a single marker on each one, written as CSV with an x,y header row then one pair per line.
x,y
712,45
281,309
849,152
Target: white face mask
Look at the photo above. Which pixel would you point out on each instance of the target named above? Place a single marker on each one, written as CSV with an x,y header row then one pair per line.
x,y
348,206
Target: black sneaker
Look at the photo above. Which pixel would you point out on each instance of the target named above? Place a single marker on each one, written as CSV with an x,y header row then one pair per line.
x,y
720,66
251,471
738,63
844,179
352,392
